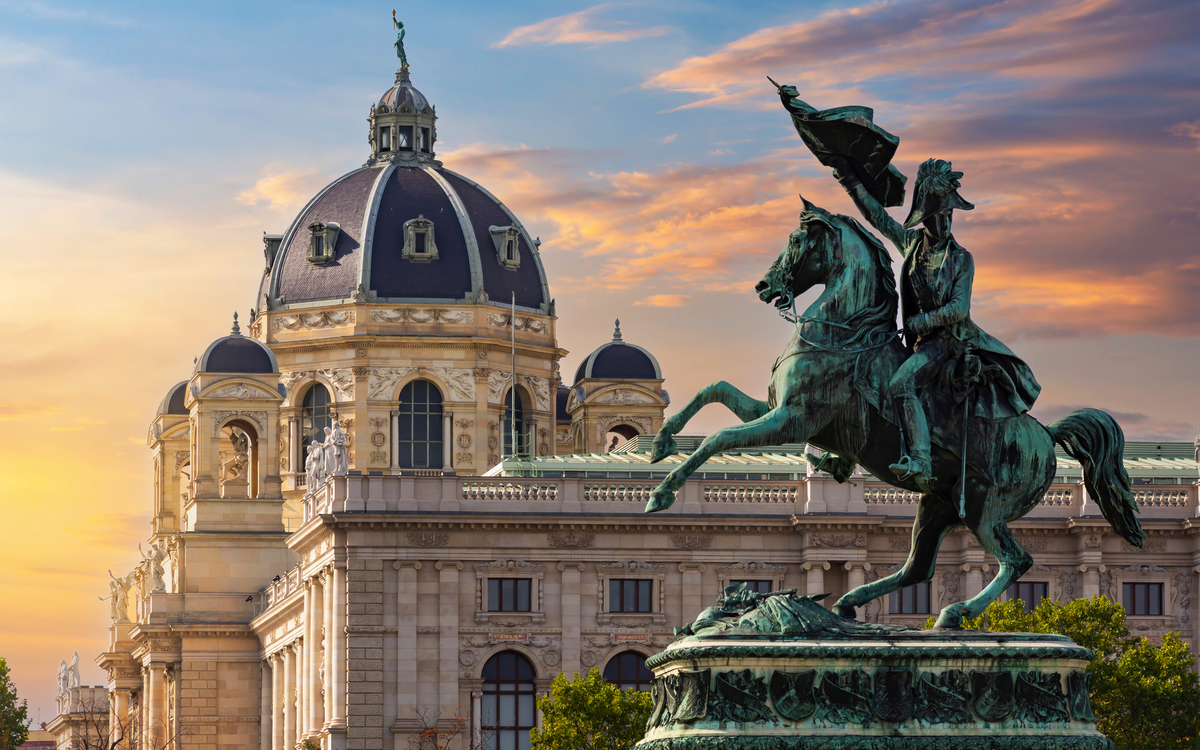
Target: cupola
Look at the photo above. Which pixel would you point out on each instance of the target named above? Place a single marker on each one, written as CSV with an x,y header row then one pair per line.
x,y
403,125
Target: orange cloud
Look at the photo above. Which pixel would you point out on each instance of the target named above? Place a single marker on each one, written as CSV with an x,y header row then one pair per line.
x,y
664,300
577,28
280,191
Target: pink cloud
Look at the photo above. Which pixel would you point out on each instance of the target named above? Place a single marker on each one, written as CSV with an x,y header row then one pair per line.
x,y
580,27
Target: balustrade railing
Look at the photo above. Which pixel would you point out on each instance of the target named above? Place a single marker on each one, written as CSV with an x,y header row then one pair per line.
x,y
617,492
508,491
769,493
884,495
1157,498
1058,497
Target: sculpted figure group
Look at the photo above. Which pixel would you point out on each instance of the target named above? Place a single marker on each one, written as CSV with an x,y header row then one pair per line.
x,y
330,458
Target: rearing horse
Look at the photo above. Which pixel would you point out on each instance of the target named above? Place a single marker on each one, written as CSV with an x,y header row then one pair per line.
x,y
826,390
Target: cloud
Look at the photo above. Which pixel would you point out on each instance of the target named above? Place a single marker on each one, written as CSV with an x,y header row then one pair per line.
x,y
1187,130
47,12
581,27
669,138
9,412
664,300
282,190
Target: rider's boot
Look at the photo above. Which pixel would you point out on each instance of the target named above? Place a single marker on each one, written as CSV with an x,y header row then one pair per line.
x,y
917,464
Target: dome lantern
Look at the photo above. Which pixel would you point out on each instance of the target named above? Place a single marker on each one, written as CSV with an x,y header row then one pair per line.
x,y
403,125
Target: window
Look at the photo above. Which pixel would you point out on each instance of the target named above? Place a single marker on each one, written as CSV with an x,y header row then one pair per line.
x,y
425,140
322,241
508,250
522,446
1142,598
419,244
419,440
404,138
385,139
508,702
627,670
762,587
1030,593
630,595
315,416
913,600
509,594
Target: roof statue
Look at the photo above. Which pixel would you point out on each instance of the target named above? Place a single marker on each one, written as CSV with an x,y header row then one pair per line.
x,y
944,412
399,45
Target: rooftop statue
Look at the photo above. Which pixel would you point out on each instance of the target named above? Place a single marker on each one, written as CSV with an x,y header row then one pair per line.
x,y
944,412
399,45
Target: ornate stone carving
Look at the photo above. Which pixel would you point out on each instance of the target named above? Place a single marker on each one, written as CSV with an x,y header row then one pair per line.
x,y
509,564
901,543
467,657
642,423
242,390
360,373
570,539
524,323
562,436
257,417
589,658
383,381
460,383
428,538
551,657
690,541
462,459
324,319
463,440
540,388
623,396
379,457
423,315
341,379
837,541
180,457
498,381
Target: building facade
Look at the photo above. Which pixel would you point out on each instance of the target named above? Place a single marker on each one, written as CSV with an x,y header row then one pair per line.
x,y
486,532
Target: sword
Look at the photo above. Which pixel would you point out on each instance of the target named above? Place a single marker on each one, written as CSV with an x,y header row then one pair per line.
x,y
966,420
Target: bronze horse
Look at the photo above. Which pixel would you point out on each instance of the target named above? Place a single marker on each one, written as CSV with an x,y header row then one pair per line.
x,y
826,390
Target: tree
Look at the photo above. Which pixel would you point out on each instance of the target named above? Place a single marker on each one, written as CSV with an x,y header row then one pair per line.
x,y
590,713
1146,696
14,716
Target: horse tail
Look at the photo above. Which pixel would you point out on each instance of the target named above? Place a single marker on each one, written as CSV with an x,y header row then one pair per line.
x,y
1094,439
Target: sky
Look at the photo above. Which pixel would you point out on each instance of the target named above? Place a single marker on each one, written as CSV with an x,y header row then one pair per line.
x,y
145,148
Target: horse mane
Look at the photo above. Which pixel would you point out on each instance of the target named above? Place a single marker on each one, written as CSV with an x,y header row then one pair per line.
x,y
875,324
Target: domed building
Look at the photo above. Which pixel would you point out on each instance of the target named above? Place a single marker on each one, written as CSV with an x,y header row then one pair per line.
x,y
341,554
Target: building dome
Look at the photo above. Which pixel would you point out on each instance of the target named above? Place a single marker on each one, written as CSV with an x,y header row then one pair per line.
x,y
237,353
402,228
172,403
619,360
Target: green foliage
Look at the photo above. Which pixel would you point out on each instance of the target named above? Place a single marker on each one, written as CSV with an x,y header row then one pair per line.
x,y
1146,696
590,713
14,716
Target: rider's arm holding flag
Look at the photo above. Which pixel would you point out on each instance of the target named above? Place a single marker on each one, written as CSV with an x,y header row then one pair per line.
x,y
873,211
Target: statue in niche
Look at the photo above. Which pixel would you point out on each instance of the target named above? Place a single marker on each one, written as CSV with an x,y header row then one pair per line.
x,y
235,466
314,466
154,561
337,458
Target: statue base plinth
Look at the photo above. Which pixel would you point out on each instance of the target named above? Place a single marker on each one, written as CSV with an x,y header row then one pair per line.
x,y
896,689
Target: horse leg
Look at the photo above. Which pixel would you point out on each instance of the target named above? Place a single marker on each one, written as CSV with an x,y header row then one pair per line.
x,y
993,536
770,429
720,392
934,520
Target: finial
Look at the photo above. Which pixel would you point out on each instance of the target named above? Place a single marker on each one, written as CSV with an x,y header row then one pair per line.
x,y
235,331
617,331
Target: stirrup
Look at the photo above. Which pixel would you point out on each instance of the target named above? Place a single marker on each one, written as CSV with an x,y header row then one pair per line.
x,y
915,469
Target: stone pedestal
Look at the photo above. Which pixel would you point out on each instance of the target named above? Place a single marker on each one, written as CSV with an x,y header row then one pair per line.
x,y
786,674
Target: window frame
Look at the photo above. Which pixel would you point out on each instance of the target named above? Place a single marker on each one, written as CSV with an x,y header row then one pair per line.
x,y
898,598
642,595
434,422
498,584
636,570
510,569
1130,588
727,574
1013,592
413,228
517,687
758,584
620,681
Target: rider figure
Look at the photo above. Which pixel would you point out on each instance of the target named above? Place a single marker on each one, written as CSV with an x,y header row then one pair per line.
x,y
935,285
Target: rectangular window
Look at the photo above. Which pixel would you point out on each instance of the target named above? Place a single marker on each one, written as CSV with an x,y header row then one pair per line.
x,y
425,140
385,139
419,242
1142,598
762,587
1030,593
913,600
630,595
404,138
509,594
510,250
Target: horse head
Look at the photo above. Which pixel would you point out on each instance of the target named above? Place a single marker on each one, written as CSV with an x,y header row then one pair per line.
x,y
807,259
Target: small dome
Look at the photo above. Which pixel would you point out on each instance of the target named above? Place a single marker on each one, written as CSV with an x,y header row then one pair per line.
x,y
236,353
560,404
172,403
404,93
618,360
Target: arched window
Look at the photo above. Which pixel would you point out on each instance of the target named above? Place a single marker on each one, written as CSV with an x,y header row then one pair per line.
x,y
618,435
522,447
508,702
627,670
419,440
314,418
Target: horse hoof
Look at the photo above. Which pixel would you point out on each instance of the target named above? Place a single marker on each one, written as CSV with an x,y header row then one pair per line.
x,y
660,499
949,619
664,445
844,611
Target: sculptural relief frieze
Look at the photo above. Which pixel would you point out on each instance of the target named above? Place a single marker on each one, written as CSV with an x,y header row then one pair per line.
x,y
382,381
423,315
623,396
524,323
323,319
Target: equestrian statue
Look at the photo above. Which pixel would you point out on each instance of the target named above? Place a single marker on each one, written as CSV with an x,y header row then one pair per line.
x,y
939,408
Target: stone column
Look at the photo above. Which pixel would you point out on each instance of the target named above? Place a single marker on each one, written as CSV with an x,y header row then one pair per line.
x,y
569,604
395,435
856,577
154,729
447,442
289,697
973,580
264,705
316,718
338,718
815,578
277,671
304,668
476,719
406,639
295,462
691,593
448,635
121,720
1091,580
327,627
